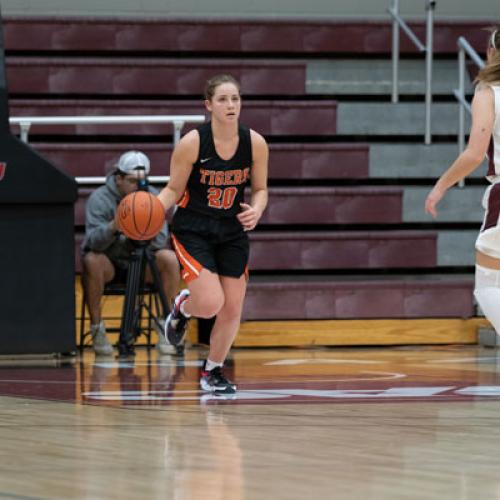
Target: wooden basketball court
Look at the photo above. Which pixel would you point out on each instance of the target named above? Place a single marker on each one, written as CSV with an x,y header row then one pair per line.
x,y
343,423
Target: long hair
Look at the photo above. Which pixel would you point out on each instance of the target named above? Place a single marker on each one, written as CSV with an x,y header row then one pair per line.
x,y
491,72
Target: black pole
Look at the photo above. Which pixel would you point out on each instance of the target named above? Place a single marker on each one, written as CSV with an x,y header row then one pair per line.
x,y
139,259
4,97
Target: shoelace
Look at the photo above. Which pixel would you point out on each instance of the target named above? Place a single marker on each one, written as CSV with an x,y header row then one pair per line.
x,y
177,313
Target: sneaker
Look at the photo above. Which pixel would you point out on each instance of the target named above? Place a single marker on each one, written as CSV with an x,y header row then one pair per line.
x,y
163,346
215,382
176,325
100,342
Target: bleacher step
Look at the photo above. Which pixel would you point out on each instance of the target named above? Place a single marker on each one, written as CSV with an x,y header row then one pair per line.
x,y
414,160
330,205
149,76
288,161
269,116
372,77
400,119
236,35
306,250
358,297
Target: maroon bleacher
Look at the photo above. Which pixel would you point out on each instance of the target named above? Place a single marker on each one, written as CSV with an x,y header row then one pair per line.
x,y
363,205
142,77
269,117
323,297
287,161
233,35
319,161
306,250
334,205
140,66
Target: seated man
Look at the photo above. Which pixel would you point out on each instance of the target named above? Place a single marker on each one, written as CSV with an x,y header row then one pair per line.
x,y
107,251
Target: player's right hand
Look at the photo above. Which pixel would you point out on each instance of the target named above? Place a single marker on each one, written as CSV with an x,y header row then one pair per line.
x,y
433,198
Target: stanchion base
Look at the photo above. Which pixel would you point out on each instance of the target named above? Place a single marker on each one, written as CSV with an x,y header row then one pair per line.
x,y
126,351
487,337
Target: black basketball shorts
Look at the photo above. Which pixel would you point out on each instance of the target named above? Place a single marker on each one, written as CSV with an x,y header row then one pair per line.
x,y
200,241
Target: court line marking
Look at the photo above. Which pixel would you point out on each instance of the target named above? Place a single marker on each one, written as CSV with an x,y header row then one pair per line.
x,y
283,393
127,364
463,360
374,377
385,376
322,361
4,494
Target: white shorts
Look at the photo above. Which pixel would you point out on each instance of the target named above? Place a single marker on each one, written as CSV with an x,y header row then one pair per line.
x,y
488,240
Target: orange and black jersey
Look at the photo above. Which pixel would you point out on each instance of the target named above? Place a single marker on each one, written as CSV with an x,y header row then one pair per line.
x,y
216,186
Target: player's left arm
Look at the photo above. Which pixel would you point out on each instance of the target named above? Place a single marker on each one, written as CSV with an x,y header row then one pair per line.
x,y
483,118
250,214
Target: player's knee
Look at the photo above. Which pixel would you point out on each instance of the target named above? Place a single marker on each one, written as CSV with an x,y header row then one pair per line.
x,y
209,307
231,310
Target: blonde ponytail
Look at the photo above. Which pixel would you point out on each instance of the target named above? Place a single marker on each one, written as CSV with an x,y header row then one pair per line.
x,y
491,72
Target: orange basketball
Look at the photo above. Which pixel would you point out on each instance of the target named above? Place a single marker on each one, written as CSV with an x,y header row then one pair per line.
x,y
140,215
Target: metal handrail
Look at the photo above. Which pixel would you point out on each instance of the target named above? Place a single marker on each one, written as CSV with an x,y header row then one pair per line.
x,y
178,121
98,180
427,48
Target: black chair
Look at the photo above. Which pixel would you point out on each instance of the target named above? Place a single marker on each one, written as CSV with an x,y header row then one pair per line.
x,y
147,315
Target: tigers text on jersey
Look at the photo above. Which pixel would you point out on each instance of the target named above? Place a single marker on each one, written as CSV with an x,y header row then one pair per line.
x,y
216,186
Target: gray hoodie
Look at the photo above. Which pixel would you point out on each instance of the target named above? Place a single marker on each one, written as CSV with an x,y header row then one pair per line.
x,y
99,212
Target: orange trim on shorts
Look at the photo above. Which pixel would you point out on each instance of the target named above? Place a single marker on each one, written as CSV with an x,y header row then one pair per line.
x,y
184,199
191,268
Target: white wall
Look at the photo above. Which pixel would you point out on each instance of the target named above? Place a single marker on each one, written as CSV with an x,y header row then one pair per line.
x,y
374,9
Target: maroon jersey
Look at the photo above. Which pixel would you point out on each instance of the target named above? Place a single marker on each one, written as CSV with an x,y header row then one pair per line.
x,y
216,186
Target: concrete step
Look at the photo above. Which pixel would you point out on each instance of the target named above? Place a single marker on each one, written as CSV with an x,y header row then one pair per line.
x,y
456,248
374,77
411,160
459,205
385,118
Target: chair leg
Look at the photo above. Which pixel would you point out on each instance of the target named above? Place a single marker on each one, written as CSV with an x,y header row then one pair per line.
x,y
82,335
147,331
152,308
149,319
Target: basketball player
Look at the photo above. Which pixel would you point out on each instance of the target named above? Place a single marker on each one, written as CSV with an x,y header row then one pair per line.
x,y
107,252
209,170
485,122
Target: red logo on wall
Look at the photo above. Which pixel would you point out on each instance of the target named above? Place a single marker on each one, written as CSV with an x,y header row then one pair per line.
x,y
3,167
